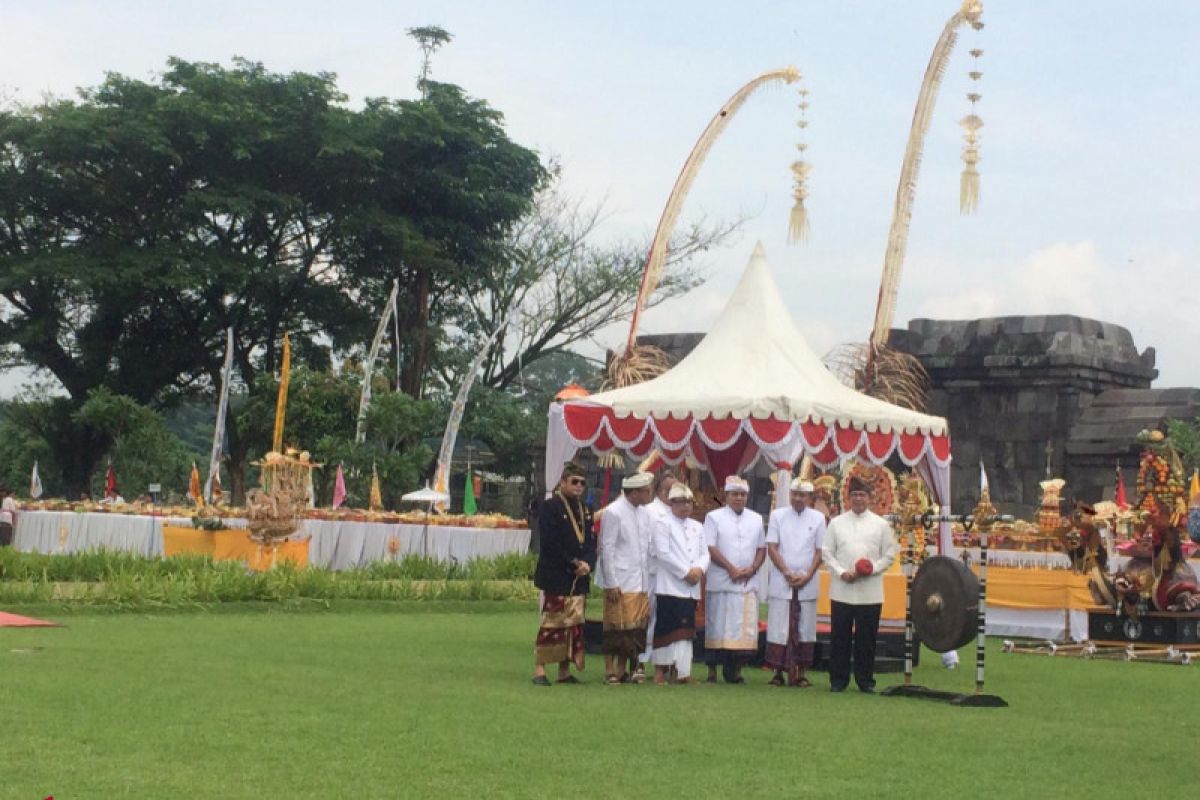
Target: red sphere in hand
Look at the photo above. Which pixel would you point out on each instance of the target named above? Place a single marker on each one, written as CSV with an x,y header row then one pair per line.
x,y
863,567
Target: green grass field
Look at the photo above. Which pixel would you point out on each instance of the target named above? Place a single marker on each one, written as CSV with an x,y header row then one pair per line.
x,y
434,700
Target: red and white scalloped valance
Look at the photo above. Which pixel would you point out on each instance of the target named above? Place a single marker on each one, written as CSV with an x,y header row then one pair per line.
x,y
598,427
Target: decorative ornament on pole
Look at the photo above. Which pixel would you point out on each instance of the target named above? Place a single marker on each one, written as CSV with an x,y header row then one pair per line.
x,y
968,190
798,221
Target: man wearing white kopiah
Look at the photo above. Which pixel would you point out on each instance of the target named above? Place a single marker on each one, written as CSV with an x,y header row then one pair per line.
x,y
623,572
859,547
680,560
736,545
658,509
795,534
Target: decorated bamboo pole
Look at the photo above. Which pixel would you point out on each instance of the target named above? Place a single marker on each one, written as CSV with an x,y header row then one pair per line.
x,y
897,242
214,460
656,258
446,452
285,371
389,310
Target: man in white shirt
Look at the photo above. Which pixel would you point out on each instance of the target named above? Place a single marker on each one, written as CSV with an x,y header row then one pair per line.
x,y
8,510
736,544
623,572
680,560
859,547
795,534
658,509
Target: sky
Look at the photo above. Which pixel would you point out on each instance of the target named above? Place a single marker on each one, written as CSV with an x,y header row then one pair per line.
x,y
1090,170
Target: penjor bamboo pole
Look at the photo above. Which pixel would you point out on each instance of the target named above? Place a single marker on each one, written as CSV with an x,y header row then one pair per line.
x,y
683,183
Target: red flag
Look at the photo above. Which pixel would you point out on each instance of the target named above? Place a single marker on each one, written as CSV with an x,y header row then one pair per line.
x,y
1121,501
339,488
110,482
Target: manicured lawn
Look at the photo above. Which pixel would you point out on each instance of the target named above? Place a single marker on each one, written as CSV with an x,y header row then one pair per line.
x,y
433,700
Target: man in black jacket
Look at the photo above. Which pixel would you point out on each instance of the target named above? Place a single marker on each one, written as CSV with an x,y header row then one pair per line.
x,y
565,561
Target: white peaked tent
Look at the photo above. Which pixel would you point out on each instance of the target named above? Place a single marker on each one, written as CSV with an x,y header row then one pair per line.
x,y
751,388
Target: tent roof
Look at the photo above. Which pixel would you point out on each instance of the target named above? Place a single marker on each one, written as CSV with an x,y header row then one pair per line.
x,y
754,363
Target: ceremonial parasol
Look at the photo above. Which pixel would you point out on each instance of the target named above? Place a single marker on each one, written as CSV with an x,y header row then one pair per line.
x,y
428,496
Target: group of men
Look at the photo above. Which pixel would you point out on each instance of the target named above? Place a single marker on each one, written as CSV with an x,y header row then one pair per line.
x,y
651,560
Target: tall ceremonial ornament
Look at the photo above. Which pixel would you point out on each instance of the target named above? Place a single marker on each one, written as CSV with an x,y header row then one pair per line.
x,y
214,460
389,310
285,373
893,258
634,364
441,482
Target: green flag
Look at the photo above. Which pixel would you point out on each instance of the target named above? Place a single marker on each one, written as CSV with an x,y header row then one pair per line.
x,y
469,495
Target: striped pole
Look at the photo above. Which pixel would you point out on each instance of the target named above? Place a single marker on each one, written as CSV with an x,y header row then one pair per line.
x,y
981,620
908,624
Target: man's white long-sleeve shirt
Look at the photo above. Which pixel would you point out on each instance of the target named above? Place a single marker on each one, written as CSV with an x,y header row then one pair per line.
x,y
624,540
851,537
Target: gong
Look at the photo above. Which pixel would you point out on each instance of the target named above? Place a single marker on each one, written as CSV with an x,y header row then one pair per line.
x,y
945,604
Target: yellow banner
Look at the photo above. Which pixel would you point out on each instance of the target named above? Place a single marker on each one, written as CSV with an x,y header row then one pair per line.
x,y
285,371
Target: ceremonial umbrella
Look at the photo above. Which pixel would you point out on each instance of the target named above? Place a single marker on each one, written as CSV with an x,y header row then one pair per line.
x,y
427,496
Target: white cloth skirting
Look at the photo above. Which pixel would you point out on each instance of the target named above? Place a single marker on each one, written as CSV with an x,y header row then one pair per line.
x,y
778,612
731,621
676,654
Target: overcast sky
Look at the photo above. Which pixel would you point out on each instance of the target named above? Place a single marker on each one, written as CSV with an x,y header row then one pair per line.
x,y
1090,191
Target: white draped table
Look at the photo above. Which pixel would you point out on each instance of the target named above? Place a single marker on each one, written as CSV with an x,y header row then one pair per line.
x,y
333,544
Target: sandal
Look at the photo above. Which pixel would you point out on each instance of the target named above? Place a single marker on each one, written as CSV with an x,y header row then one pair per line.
x,y
541,680
569,679
776,681
803,683
613,680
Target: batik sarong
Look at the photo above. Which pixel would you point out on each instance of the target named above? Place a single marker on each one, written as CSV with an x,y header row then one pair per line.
x,y
626,615
560,633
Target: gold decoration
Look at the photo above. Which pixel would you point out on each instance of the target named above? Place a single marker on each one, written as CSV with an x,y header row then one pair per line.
x,y
968,185
285,370
798,220
274,510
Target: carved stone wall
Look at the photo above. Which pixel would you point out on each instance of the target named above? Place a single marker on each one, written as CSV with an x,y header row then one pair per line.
x,y
1014,388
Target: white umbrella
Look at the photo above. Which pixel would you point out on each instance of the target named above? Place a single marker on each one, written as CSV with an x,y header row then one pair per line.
x,y
428,496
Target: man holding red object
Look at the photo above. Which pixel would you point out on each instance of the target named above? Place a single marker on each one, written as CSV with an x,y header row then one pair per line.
x,y
859,547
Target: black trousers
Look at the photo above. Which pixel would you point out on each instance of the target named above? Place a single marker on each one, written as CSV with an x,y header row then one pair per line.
x,y
853,628
6,534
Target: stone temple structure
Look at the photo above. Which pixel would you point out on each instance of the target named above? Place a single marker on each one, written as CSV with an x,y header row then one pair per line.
x,y
1037,395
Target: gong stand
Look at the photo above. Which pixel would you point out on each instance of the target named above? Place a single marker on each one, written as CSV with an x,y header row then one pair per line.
x,y
941,602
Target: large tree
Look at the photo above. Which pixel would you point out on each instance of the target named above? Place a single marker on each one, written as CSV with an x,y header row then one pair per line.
x,y
142,219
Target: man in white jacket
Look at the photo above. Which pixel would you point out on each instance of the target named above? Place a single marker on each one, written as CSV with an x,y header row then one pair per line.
x,y
737,546
859,547
680,560
623,572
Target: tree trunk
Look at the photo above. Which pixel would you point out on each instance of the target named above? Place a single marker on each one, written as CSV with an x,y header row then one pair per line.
x,y
238,455
412,377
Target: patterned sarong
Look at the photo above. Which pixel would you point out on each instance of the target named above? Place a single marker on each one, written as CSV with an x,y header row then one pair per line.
x,y
791,635
675,620
626,615
560,633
